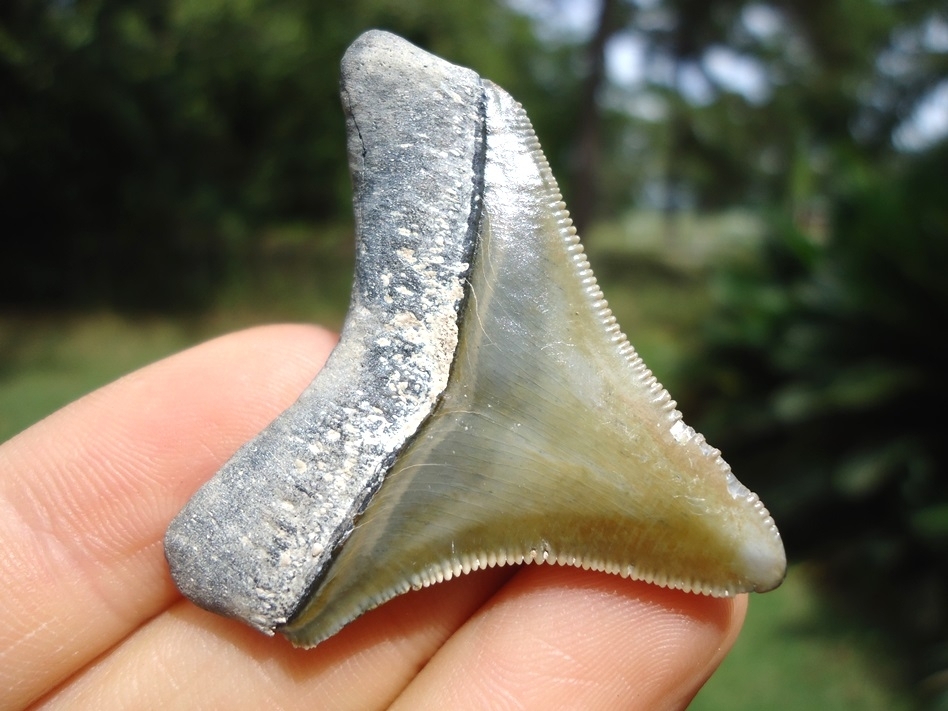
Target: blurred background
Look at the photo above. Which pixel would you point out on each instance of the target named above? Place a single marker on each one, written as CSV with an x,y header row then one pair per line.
x,y
761,187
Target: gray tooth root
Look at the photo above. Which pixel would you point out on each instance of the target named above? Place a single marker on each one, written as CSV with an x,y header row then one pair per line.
x,y
258,535
482,407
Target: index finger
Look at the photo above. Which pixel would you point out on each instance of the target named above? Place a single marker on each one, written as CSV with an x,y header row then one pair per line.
x,y
86,494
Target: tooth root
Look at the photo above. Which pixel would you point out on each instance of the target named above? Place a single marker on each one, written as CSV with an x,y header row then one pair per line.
x,y
253,540
552,443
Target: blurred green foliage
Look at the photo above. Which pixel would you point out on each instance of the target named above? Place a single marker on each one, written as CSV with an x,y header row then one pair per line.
x,y
144,142
821,377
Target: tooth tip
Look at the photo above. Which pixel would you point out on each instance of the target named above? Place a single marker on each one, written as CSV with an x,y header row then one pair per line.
x,y
763,560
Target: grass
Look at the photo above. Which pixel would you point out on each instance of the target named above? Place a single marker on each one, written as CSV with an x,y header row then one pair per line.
x,y
793,653
50,360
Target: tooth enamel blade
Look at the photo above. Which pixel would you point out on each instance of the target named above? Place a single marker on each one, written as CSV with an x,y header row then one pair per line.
x,y
552,442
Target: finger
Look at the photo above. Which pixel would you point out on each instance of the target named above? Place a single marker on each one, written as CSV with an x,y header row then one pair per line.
x,y
189,658
388,625
568,638
85,495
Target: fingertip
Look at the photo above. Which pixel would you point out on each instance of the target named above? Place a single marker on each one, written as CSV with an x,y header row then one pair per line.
x,y
568,638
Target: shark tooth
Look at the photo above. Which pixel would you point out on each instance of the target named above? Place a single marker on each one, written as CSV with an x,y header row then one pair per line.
x,y
482,406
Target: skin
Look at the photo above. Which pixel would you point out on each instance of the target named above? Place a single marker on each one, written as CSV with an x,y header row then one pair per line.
x,y
89,617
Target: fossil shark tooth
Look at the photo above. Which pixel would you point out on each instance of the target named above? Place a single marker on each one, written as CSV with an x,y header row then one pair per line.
x,y
482,406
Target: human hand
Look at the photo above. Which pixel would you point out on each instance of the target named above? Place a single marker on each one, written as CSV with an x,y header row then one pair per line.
x,y
91,619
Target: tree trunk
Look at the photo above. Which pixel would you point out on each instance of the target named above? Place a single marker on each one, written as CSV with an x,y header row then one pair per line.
x,y
588,145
